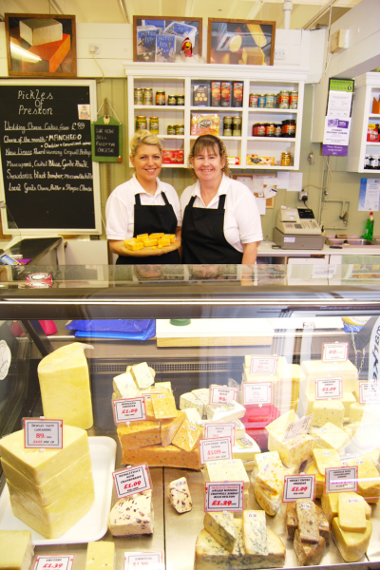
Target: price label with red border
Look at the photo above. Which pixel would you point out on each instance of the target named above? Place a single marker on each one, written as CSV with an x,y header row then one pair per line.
x,y
298,487
131,480
214,431
338,479
298,427
265,365
257,393
326,388
215,449
143,561
62,562
221,395
369,392
129,410
41,433
224,496
335,352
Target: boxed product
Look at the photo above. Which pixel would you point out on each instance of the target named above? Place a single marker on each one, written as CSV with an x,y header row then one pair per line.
x,y
226,93
237,94
373,133
233,160
254,160
146,42
204,124
165,48
215,93
201,94
172,156
181,31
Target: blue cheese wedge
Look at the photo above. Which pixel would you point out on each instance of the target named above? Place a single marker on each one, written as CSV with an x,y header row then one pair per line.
x,y
132,515
221,526
203,394
188,400
193,416
231,411
255,532
179,495
142,375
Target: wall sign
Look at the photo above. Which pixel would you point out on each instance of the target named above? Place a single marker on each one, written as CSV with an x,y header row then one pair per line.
x,y
106,140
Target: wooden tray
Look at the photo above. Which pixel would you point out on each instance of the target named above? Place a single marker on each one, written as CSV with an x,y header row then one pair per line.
x,y
150,251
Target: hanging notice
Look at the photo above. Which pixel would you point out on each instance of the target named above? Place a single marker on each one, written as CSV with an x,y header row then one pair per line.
x,y
338,117
106,140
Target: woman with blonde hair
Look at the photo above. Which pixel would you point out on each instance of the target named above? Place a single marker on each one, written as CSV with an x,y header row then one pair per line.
x,y
143,205
221,222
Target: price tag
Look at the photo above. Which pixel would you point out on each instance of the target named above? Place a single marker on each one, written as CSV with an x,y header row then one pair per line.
x,y
369,393
298,487
265,365
258,393
64,562
221,395
215,449
129,410
224,496
47,434
131,480
326,388
213,431
298,427
143,561
335,352
339,479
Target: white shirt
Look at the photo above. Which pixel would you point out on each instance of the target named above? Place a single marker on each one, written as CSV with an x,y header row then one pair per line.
x,y
121,203
242,222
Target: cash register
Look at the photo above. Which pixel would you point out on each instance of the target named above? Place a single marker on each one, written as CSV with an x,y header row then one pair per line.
x,y
296,228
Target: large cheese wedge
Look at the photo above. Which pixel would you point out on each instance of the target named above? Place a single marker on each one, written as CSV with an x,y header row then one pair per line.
x,y
271,476
270,502
16,549
368,478
100,555
231,411
221,526
187,436
159,456
308,554
203,394
179,495
65,386
170,427
330,505
132,515
328,411
139,434
326,458
351,545
351,513
124,386
227,470
314,369
164,406
189,400
255,532
245,449
292,522
331,437
292,451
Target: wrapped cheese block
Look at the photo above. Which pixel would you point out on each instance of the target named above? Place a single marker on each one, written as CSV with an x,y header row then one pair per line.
x,y
179,495
132,515
16,549
65,386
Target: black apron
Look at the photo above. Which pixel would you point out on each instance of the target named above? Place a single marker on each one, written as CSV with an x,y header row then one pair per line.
x,y
203,239
150,220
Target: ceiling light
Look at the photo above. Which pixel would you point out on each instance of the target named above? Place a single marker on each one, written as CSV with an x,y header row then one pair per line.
x,y
18,52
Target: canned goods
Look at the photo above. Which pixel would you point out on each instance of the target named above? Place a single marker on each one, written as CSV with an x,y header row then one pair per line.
x,y
270,100
154,125
293,99
253,99
148,96
172,100
138,96
179,129
261,101
180,99
269,130
160,98
141,123
227,121
171,130
286,159
283,100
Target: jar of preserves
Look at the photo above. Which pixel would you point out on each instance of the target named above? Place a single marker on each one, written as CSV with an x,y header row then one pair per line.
x,y
236,122
138,96
154,125
283,100
291,128
261,101
172,100
286,159
227,121
236,132
171,130
269,129
260,130
293,99
278,130
253,99
180,99
179,129
148,96
141,123
227,131
270,100
160,98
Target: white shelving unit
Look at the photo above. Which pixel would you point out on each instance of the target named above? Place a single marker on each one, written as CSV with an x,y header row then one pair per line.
x,y
367,86
178,79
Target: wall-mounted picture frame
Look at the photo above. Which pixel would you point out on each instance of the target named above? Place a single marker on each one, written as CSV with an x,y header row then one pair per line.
x,y
241,42
41,45
166,39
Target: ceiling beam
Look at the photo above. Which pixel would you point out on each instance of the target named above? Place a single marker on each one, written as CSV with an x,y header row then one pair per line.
x,y
54,4
124,11
319,14
254,11
189,8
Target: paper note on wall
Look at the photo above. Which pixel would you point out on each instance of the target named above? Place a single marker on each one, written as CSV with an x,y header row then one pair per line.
x,y
369,195
291,181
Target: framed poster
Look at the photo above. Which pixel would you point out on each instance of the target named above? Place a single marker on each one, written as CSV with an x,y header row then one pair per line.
x,y
166,40
244,42
41,45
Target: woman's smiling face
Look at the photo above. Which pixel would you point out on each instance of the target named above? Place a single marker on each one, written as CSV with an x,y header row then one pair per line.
x,y
147,162
208,164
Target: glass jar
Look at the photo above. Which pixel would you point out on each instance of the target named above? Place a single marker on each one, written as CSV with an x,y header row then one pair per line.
x,y
141,123
154,125
160,98
148,96
138,96
172,100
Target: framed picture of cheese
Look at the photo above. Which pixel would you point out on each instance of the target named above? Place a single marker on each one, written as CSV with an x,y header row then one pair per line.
x,y
166,39
244,42
41,45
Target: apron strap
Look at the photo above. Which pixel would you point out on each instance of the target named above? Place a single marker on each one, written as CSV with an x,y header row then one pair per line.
x,y
222,199
137,199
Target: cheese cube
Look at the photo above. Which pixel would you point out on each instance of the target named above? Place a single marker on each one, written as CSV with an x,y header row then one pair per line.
x,y
132,515
308,554
170,427
221,526
227,470
164,406
141,237
100,555
231,411
326,458
16,549
351,513
149,241
351,545
331,437
65,386
314,369
125,387
203,394
255,532
133,245
142,375
164,241
292,451
271,476
307,521
171,237
157,235
139,434
179,495
187,436
188,400
356,412
325,411
268,501
40,31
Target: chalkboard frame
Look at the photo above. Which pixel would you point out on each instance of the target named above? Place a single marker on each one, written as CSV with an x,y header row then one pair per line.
x,y
112,123
97,229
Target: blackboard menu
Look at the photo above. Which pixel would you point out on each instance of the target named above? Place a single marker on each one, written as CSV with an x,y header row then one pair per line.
x,y
47,171
106,140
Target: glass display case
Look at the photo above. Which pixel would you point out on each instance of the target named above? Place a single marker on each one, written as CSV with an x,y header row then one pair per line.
x,y
239,354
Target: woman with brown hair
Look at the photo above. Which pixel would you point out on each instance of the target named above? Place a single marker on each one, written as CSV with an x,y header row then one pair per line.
x,y
221,222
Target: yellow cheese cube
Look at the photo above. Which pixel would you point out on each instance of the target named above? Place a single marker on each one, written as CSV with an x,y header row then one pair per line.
x,y
319,480
351,513
164,406
157,235
141,237
325,411
170,427
164,241
187,436
326,458
16,549
139,434
100,555
134,245
171,237
351,545
292,451
149,242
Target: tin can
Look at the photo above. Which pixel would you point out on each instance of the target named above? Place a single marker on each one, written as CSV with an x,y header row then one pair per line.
x,y
138,96
269,130
148,96
179,129
261,101
270,100
293,99
180,99
286,158
141,123
283,100
172,100
225,98
160,98
171,130
154,125
253,99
